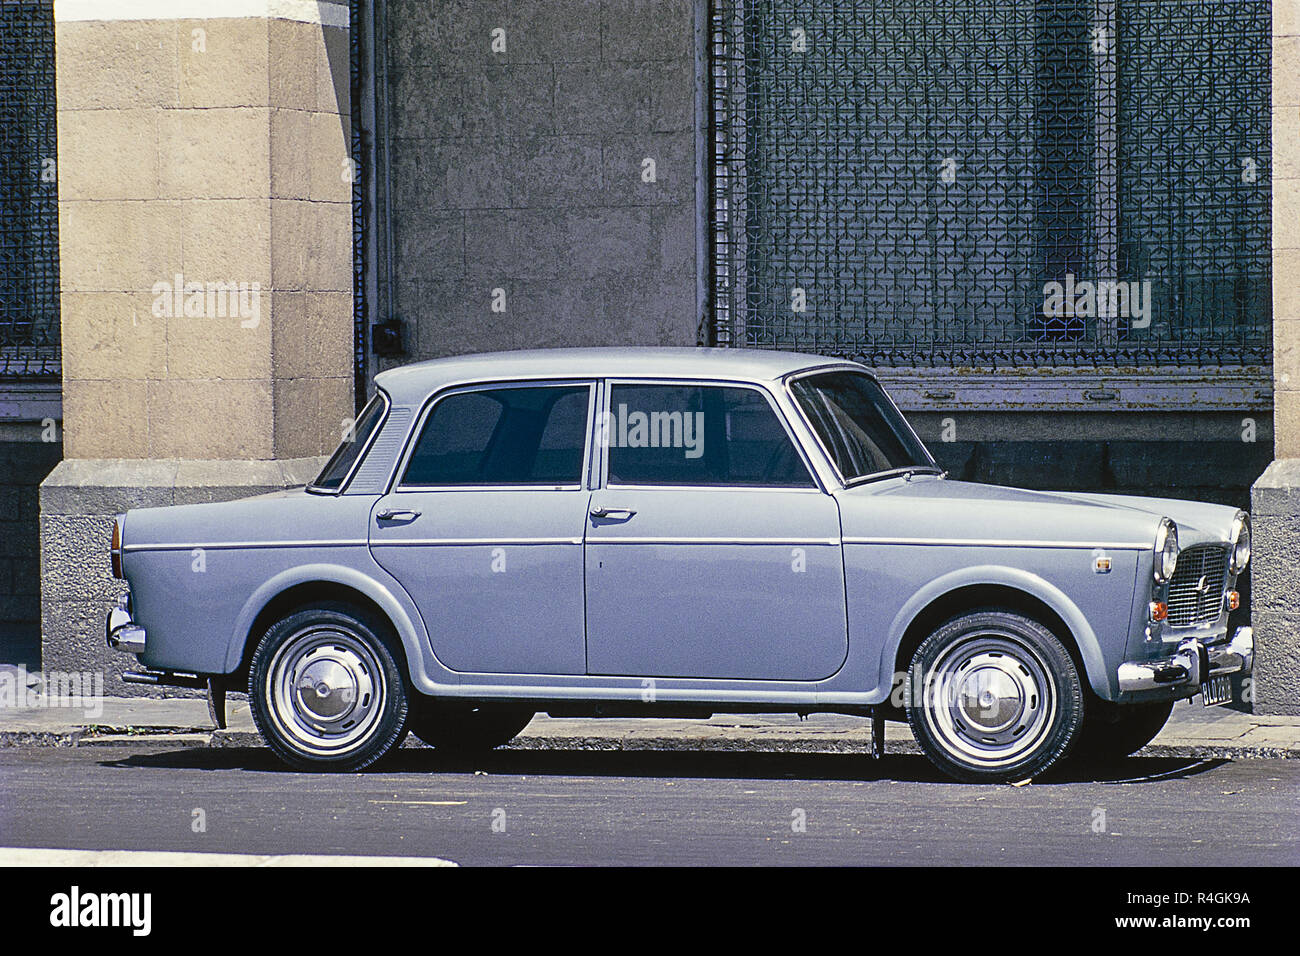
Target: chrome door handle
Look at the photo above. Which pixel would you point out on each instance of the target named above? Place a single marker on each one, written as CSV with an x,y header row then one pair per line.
x,y
391,515
612,512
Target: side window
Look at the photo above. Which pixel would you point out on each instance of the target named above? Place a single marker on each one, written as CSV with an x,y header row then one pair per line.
x,y
336,469
532,435
698,435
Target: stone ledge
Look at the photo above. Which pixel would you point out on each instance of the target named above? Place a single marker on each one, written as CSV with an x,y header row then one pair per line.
x,y
82,486
1277,491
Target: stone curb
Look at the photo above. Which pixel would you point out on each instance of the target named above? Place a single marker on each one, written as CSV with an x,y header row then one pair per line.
x,y
681,743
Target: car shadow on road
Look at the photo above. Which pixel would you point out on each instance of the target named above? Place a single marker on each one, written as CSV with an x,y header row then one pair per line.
x,y
900,768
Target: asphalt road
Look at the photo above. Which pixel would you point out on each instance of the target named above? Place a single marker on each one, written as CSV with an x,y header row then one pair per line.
x,y
566,807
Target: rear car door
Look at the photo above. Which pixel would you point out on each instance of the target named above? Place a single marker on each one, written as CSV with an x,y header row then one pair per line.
x,y
484,526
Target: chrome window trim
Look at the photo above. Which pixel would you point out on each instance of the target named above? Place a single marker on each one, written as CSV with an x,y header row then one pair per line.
x,y
817,487
788,489
393,486
792,377
361,455
425,489
596,460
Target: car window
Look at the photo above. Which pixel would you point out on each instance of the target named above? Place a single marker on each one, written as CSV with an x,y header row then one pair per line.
x,y
860,428
531,435
336,469
698,435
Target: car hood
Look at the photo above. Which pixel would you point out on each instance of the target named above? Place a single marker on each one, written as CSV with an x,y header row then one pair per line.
x,y
931,507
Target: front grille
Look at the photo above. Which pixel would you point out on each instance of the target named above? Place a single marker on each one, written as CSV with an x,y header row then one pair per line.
x,y
1196,589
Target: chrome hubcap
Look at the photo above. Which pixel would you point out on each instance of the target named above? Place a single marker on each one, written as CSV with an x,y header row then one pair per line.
x,y
326,691
989,700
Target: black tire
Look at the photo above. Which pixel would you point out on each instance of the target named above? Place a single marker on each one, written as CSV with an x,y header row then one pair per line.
x,y
1016,701
466,728
356,710
1113,733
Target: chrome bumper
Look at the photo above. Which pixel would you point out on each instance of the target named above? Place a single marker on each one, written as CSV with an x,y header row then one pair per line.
x,y
1191,665
121,633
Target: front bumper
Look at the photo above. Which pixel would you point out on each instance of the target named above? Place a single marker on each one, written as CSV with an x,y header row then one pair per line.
x,y
1191,665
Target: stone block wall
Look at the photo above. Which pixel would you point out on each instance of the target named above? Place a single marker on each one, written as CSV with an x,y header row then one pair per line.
x,y
543,174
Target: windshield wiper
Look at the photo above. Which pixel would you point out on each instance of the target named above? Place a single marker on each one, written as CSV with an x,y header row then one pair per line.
x,y
905,472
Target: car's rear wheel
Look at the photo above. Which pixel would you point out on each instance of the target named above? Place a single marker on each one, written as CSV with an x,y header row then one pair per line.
x,y
466,728
1117,732
993,696
326,689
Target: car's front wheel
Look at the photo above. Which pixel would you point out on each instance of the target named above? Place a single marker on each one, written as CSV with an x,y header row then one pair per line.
x,y
326,689
1113,733
993,696
465,728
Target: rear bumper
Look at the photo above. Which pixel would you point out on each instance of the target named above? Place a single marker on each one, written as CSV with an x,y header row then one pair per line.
x,y
1191,665
121,633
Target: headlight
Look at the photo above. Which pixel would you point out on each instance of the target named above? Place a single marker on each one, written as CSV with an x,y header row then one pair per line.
x,y
1166,550
1240,542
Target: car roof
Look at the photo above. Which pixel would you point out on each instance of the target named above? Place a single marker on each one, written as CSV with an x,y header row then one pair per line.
x,y
411,384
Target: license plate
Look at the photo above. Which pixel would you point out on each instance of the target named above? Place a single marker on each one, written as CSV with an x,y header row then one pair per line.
x,y
1217,691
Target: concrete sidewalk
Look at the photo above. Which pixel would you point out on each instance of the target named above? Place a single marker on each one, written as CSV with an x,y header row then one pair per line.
x,y
1192,731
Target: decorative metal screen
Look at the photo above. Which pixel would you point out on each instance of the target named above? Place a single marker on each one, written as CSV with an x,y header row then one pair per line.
x,y
29,216
1010,183
360,176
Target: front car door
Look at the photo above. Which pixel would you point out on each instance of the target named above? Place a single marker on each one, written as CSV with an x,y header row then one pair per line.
x,y
711,550
483,526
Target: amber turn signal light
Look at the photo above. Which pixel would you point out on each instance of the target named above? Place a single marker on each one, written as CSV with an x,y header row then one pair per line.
x,y
115,550
1234,600
1159,611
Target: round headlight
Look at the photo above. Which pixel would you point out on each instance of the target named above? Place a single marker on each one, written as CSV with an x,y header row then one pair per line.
x,y
1240,542
1166,550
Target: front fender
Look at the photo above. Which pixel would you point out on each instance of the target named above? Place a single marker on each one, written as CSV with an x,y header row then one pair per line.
x,y
1094,661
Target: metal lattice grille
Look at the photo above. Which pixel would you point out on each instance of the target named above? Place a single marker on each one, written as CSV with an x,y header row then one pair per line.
x,y
959,182
29,239
1196,589
361,173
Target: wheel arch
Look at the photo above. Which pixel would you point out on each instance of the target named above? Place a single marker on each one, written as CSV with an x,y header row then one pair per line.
x,y
312,584
1007,588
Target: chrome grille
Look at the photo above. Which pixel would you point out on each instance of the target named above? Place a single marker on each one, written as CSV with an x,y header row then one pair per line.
x,y
1196,589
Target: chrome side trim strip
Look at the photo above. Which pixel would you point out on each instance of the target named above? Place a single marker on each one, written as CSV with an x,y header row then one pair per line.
x,y
792,542
472,542
1002,543
466,542
240,545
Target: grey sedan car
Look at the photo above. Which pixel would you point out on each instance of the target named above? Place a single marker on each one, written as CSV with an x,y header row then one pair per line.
x,y
677,532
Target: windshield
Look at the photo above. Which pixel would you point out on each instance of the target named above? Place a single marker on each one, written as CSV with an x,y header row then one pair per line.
x,y
862,431
354,441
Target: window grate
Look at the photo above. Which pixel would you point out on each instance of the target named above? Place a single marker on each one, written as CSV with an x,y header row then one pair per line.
x,y
360,180
29,236
902,182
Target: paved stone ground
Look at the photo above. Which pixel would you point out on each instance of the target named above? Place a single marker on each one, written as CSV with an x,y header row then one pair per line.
x,y
1192,731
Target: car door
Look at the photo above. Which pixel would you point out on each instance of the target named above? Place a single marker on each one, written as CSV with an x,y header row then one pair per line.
x,y
711,550
484,525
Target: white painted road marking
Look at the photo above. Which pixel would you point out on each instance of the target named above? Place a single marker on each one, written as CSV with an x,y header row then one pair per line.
x,y
32,856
